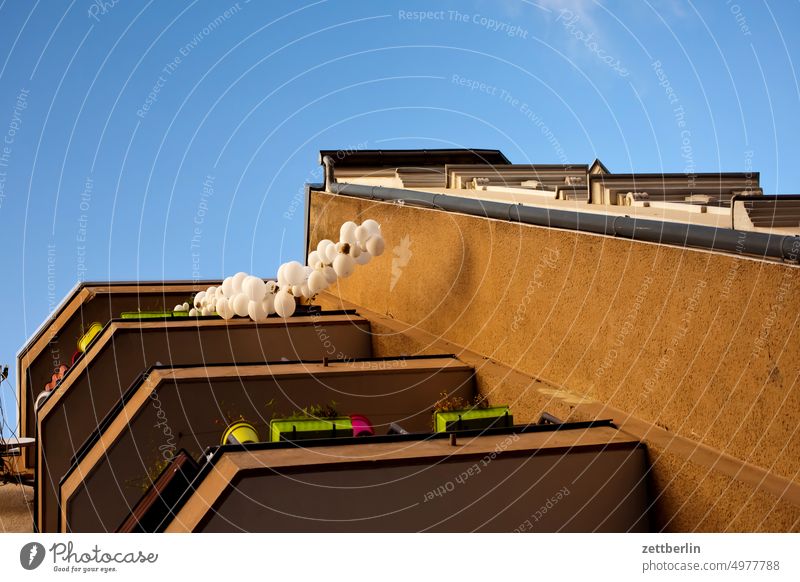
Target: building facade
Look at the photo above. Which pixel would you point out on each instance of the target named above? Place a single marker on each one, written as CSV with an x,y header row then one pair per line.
x,y
642,329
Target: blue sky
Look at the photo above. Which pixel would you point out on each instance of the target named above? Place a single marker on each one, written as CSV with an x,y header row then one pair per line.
x,y
126,125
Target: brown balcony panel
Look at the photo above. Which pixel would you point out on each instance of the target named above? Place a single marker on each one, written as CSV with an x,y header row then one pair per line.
x,y
579,480
56,340
125,349
160,496
189,408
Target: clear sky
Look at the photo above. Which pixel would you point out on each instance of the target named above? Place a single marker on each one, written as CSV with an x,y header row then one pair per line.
x,y
127,125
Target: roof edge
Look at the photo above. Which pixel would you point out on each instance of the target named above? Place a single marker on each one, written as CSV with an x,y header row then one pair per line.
x,y
414,157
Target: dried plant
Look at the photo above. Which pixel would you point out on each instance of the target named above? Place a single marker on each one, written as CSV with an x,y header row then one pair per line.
x,y
154,470
313,411
449,403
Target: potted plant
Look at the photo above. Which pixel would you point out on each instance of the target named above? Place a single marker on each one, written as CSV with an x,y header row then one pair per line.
x,y
456,413
180,310
153,314
236,428
239,433
92,332
312,422
154,469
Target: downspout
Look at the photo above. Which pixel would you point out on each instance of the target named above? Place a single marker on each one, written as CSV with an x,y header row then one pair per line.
x,y
307,223
785,247
734,198
328,178
328,162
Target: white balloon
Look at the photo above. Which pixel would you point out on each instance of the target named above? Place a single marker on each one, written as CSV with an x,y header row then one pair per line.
x,y
185,306
313,258
178,307
375,245
294,273
227,287
246,284
284,304
230,305
363,258
254,288
322,246
330,275
344,265
248,281
297,290
362,234
256,310
260,287
330,253
224,308
212,291
355,250
347,232
206,311
271,287
236,285
193,312
317,282
304,291
269,303
239,304
372,226
198,299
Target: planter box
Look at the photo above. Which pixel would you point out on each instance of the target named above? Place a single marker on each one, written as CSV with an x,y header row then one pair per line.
x,y
87,338
296,429
473,419
153,314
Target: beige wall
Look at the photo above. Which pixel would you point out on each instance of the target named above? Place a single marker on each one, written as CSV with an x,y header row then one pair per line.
x,y
693,497
16,512
700,343
693,487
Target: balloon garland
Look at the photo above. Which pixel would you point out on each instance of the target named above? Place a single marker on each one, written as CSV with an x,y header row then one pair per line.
x,y
246,295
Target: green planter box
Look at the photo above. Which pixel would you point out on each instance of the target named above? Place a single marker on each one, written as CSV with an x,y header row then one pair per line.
x,y
297,429
470,419
153,314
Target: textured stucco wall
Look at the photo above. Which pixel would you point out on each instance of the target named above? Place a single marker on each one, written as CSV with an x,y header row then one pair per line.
x,y
700,343
693,488
16,512
690,497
